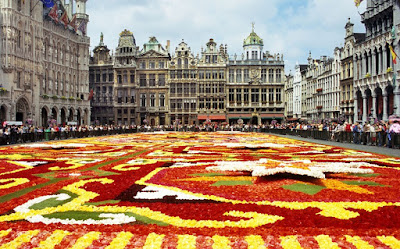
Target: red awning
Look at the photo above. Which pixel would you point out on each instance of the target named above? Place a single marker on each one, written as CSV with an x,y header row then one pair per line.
x,y
211,117
238,115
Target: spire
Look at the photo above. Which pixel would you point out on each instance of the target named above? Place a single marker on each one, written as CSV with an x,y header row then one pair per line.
x,y
252,26
101,39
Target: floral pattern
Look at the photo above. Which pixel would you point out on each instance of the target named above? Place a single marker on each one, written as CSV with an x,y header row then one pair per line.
x,y
197,190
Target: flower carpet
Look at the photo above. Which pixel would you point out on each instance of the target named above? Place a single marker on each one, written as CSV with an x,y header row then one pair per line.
x,y
197,190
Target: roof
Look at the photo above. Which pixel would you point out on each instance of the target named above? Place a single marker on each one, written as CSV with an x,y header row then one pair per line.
x,y
360,37
253,39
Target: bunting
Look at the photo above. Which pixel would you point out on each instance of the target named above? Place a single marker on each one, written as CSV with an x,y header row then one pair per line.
x,y
72,23
358,2
53,13
394,55
64,19
91,94
82,27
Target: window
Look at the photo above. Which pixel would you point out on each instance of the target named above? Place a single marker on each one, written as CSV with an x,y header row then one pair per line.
x,y
255,97
104,77
119,78
119,96
142,80
161,79
208,74
162,99
186,74
271,95
104,89
152,80
239,96
201,74
246,95
18,79
264,95
231,95
186,89
192,74
132,96
271,75
231,75
179,74
221,74
193,88
172,74
161,64
111,77
142,99
143,65
152,100
246,75
215,75
132,77
278,95
221,104
193,104
264,75
239,75
19,5
278,76
97,77
179,88
215,59
125,77
152,65
172,88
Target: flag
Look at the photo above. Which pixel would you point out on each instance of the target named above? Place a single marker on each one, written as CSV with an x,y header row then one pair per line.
x,y
53,13
64,19
72,23
358,2
82,27
394,55
91,94
47,3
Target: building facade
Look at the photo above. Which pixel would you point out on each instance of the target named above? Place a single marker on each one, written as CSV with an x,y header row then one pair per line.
x,y
45,63
289,97
376,82
152,90
255,84
125,79
212,83
183,86
101,82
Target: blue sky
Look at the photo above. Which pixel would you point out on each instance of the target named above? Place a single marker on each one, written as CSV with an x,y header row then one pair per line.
x,y
291,27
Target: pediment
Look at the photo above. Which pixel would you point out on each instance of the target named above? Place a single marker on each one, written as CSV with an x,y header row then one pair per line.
x,y
153,53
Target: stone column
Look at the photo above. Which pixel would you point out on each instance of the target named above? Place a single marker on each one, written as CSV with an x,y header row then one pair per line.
x,y
370,70
385,107
396,97
374,111
384,64
355,107
365,106
380,63
373,66
355,68
363,66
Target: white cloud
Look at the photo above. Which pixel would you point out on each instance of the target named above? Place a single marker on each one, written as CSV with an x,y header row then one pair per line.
x,y
290,27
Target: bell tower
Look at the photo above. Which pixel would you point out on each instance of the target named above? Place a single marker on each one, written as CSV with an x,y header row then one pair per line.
x,y
81,11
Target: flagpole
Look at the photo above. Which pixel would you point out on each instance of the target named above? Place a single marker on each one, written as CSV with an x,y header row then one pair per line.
x,y
35,5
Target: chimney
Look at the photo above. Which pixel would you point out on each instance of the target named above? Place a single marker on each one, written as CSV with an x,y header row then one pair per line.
x,y
168,45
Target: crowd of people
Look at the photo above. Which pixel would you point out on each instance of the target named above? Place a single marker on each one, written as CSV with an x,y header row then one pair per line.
x,y
377,133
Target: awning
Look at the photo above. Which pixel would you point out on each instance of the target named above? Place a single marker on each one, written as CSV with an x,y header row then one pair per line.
x,y
272,116
211,117
239,116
